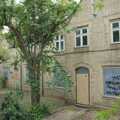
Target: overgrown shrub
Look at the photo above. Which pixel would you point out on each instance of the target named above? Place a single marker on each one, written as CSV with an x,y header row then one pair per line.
x,y
11,110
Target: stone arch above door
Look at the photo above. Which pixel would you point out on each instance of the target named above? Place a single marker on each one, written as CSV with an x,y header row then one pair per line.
x,y
82,64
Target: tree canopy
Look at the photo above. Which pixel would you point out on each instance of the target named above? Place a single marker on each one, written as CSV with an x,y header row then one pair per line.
x,y
32,26
35,21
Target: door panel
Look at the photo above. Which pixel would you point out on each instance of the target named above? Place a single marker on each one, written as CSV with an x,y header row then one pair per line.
x,y
82,88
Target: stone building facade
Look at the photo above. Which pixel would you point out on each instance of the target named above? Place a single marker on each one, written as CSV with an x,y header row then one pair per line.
x,y
90,53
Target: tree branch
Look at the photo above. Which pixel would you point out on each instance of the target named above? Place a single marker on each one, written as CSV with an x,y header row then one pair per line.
x,y
20,40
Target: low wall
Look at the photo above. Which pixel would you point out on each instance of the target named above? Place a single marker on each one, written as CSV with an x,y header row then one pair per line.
x,y
54,92
48,92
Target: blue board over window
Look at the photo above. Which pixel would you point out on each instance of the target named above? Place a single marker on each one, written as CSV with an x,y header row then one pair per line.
x,y
111,81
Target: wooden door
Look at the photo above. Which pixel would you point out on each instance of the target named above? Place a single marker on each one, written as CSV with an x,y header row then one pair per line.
x,y
83,88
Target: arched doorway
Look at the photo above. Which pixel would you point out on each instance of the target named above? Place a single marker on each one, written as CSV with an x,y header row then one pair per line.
x,y
82,86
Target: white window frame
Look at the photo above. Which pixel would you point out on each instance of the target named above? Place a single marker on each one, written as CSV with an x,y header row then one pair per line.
x,y
59,41
81,36
115,29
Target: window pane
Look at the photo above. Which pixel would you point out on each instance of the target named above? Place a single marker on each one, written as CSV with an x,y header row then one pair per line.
x,y
61,37
82,70
62,45
85,42
78,32
57,37
78,41
84,31
115,36
115,25
7,74
57,45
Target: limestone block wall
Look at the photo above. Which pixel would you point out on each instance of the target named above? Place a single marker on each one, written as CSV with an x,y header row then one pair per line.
x,y
100,52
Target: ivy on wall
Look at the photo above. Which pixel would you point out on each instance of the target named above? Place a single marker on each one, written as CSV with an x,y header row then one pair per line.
x,y
60,78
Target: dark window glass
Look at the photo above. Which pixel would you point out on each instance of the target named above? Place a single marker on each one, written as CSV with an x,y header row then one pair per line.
x,y
58,78
57,37
62,45
57,45
116,36
78,32
7,74
78,41
61,37
84,31
85,42
115,25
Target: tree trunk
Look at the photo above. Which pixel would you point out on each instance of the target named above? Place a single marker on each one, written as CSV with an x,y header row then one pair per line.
x,y
34,80
21,77
42,80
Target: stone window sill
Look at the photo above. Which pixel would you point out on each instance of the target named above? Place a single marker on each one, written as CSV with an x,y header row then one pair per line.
x,y
111,97
81,49
115,45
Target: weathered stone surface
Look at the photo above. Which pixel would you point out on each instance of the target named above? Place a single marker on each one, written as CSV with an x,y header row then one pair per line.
x,y
100,52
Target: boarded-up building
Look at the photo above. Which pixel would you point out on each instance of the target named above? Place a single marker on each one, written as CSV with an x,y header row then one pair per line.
x,y
91,53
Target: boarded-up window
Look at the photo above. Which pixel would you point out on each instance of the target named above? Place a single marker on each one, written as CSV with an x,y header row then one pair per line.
x,y
111,81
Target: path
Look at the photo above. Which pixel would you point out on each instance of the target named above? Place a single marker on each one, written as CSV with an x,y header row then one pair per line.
x,y
72,113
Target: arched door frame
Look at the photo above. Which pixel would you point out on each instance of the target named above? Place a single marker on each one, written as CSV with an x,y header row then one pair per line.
x,y
88,82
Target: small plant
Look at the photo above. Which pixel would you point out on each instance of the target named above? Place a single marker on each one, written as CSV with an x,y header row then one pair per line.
x,y
103,115
116,107
107,114
39,111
